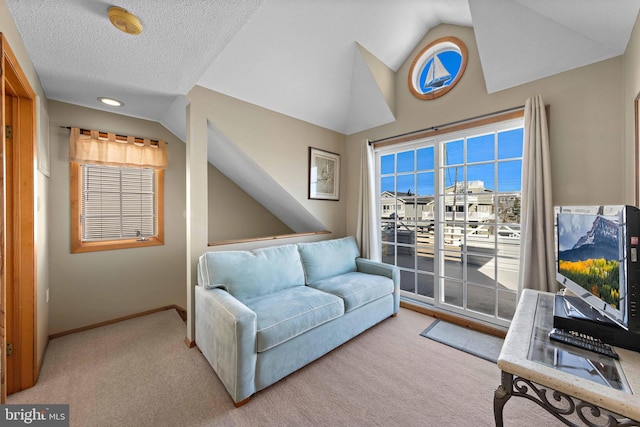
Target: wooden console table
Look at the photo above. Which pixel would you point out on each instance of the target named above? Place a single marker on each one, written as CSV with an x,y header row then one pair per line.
x,y
570,383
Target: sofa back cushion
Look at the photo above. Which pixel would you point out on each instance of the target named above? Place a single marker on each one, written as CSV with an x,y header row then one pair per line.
x,y
328,258
247,274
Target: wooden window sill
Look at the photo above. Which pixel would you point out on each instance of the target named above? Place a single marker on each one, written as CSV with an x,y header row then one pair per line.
x,y
260,239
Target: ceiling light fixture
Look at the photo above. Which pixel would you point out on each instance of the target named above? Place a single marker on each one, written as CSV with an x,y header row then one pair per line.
x,y
110,101
124,20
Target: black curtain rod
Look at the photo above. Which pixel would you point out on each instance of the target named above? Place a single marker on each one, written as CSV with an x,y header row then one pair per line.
x,y
495,113
122,136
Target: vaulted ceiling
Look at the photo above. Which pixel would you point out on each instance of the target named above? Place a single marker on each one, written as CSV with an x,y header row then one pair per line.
x,y
296,57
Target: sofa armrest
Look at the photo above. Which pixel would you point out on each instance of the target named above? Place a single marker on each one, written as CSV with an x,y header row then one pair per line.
x,y
226,331
382,269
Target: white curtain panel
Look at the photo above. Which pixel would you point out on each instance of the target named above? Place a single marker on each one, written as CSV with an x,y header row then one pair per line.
x,y
367,231
537,250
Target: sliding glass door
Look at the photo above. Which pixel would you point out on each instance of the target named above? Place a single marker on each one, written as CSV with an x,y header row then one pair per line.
x,y
449,212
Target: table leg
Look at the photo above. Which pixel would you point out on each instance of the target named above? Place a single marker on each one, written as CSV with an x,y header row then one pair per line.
x,y
501,396
560,405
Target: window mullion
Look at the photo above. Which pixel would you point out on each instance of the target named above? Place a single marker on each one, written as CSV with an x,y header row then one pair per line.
x,y
439,216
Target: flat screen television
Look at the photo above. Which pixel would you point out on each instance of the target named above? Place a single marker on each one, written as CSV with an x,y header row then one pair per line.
x,y
597,259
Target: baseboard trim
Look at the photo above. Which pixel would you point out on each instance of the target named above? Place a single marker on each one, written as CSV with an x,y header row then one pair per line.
x,y
181,312
189,343
452,318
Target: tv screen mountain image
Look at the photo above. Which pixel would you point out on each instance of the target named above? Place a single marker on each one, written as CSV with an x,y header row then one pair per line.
x,y
589,253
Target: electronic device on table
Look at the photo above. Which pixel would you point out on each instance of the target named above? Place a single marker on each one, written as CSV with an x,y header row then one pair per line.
x,y
581,340
597,261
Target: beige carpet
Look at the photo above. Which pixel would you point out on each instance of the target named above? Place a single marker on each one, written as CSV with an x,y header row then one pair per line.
x,y
140,373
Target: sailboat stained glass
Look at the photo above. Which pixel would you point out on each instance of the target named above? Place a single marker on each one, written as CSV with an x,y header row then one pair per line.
x,y
437,74
437,68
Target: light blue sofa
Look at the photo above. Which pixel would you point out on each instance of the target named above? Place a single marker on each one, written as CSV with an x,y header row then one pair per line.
x,y
263,314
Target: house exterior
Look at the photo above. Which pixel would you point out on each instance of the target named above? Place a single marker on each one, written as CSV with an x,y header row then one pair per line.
x,y
403,205
473,199
479,203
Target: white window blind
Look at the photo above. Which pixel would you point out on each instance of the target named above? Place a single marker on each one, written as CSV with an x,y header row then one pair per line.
x,y
118,203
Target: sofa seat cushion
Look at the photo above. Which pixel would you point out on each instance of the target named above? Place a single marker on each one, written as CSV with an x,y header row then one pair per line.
x,y
286,314
356,289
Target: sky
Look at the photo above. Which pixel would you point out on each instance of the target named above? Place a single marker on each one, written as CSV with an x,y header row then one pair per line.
x,y
481,154
571,227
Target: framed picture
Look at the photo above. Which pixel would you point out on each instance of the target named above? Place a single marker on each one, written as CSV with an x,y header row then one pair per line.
x,y
324,175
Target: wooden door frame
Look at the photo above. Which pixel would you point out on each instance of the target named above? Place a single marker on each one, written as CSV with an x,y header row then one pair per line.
x,y
15,87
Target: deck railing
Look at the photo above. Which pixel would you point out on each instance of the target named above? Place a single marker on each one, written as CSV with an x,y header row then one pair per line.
x,y
478,239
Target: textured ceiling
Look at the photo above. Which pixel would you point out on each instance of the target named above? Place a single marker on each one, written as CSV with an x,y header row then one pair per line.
x,y
297,57
80,56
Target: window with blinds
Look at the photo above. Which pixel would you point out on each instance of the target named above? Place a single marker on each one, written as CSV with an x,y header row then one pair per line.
x,y
116,191
117,203
115,207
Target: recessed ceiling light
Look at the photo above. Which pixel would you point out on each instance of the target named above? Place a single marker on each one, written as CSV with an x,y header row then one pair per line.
x,y
110,101
124,20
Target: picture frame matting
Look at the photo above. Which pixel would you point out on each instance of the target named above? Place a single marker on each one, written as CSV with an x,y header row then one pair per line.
x,y
324,175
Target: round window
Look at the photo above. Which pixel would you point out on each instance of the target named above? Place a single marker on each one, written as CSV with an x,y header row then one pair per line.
x,y
437,68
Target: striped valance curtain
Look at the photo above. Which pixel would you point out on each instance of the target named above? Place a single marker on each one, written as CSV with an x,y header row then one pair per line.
x,y
101,148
